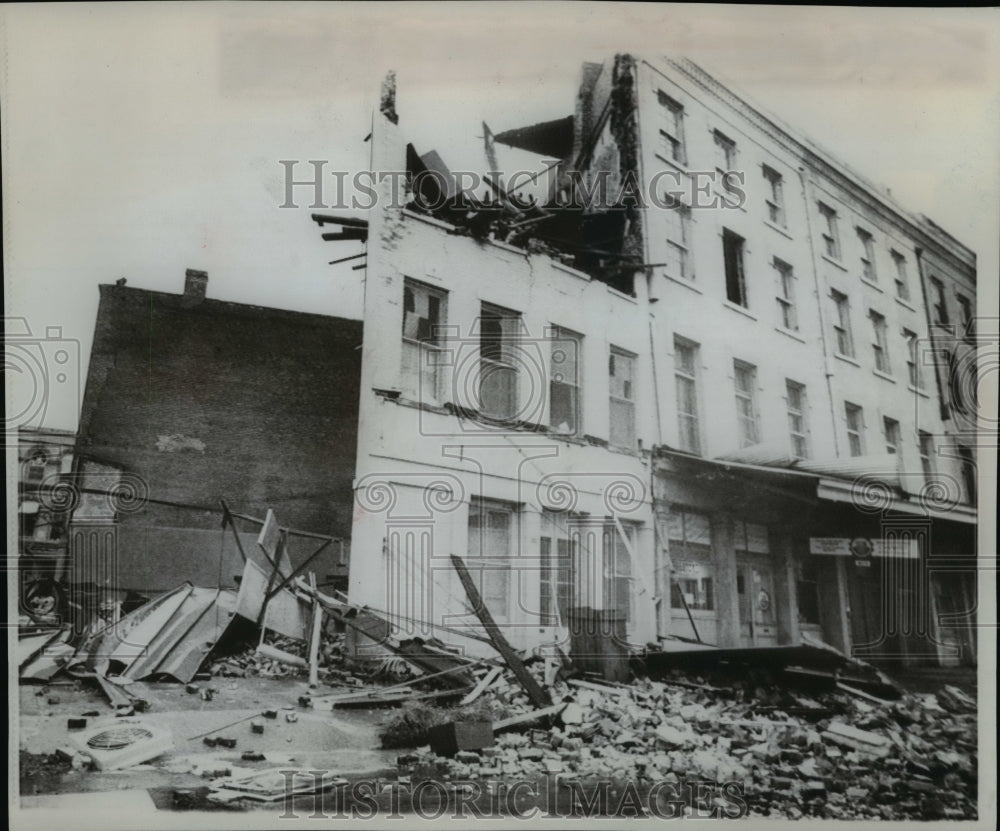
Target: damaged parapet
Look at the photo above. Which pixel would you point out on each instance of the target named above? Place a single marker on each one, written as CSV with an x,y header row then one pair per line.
x,y
585,208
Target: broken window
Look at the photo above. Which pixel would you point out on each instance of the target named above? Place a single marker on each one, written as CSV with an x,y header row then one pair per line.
x,y
745,376
796,401
855,429
498,364
564,381
902,281
786,295
775,200
868,271
732,249
690,537
880,344
491,535
831,236
423,338
672,128
621,371
842,324
686,382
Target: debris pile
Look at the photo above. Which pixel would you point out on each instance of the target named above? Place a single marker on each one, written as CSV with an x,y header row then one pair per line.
x,y
250,661
836,755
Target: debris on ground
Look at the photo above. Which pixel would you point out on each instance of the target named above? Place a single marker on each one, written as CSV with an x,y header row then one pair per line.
x,y
831,755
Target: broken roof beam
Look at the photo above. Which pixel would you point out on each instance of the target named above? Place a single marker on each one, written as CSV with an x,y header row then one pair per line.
x,y
360,234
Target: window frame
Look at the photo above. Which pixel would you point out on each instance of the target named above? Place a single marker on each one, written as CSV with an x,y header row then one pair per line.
x,y
689,378
800,413
428,351
786,294
628,402
842,325
902,278
776,202
734,263
880,345
855,430
746,396
869,270
672,128
562,334
893,435
508,345
483,508
831,237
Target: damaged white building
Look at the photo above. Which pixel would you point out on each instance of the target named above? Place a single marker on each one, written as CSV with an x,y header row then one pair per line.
x,y
714,418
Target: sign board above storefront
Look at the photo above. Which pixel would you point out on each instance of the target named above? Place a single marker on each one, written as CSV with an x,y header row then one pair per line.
x,y
862,547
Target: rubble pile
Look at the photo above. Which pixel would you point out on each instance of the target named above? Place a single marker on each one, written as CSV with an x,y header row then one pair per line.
x,y
248,662
834,755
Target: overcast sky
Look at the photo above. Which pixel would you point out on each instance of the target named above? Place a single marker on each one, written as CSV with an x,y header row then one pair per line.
x,y
141,140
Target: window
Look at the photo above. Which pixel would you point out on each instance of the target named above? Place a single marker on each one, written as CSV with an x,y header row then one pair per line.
x,y
672,128
559,545
618,569
965,311
913,373
690,537
621,372
424,310
491,536
939,305
796,400
842,323
831,237
732,249
855,429
725,155
927,455
786,295
968,463
498,374
564,381
902,281
807,589
775,200
678,263
868,257
750,538
745,377
880,344
686,382
892,438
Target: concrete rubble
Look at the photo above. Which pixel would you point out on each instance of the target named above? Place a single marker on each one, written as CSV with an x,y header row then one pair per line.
x,y
911,758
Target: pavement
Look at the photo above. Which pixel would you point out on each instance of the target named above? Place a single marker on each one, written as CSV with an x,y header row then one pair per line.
x,y
344,742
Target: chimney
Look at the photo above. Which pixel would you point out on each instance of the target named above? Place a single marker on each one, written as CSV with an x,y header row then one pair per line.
x,y
195,283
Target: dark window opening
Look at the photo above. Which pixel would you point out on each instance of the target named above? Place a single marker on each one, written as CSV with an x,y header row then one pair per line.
x,y
732,247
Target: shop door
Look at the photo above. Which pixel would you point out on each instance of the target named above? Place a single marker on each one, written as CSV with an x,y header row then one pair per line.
x,y
755,589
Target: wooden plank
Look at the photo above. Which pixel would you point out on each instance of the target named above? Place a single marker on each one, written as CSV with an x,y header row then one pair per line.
x,y
528,718
484,682
538,696
602,688
317,633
